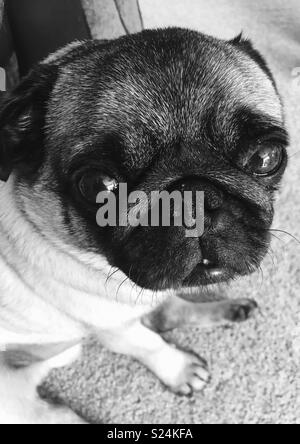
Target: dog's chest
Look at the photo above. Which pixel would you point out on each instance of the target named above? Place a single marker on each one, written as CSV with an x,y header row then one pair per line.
x,y
36,308
49,292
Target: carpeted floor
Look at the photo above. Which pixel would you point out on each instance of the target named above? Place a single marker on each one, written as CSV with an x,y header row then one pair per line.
x,y
255,367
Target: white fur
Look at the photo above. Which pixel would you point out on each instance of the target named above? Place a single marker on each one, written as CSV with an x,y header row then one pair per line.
x,y
50,292
53,295
20,403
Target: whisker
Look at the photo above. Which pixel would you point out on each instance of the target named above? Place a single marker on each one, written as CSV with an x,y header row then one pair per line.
x,y
294,154
138,279
138,296
141,294
108,275
111,275
130,271
136,285
287,233
119,287
277,237
272,255
133,284
126,279
155,297
261,272
108,278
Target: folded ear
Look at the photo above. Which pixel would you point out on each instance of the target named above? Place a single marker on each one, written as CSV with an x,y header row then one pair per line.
x,y
247,47
22,122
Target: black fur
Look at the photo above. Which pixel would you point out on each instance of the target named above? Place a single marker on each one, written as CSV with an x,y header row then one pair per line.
x,y
22,121
154,110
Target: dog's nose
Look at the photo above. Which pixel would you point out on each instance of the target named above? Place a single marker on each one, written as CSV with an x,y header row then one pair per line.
x,y
213,199
213,196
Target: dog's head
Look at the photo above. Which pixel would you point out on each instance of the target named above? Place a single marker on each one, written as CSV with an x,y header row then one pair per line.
x,y
160,110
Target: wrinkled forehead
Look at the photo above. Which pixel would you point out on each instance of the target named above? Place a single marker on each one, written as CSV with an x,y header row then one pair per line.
x,y
161,93
181,89
191,80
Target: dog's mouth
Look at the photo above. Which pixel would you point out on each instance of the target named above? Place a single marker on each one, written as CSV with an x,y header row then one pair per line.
x,y
201,263
215,269
208,272
222,263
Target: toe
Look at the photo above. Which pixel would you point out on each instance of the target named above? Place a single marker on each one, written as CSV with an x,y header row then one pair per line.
x,y
181,371
197,383
201,373
183,390
194,376
241,311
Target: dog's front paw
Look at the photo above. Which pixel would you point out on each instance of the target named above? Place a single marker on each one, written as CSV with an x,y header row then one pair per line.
x,y
240,310
182,372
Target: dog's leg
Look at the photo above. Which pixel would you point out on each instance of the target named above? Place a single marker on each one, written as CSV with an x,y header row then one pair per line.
x,y
177,312
181,371
18,387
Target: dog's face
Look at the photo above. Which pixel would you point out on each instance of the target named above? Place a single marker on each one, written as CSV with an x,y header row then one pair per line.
x,y
160,110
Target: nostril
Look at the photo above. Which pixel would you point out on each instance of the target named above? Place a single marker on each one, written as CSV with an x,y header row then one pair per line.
x,y
213,200
213,196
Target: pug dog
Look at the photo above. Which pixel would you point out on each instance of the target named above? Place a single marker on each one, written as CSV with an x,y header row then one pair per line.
x,y
168,109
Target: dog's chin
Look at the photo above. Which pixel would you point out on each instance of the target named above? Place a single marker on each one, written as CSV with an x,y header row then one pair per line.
x,y
202,275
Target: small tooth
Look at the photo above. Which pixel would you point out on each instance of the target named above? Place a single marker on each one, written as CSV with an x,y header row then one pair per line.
x,y
206,262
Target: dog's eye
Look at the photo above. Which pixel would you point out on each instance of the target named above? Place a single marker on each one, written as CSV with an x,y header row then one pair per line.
x,y
266,161
92,183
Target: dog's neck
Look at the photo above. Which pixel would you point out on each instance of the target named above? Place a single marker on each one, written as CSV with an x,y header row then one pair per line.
x,y
41,274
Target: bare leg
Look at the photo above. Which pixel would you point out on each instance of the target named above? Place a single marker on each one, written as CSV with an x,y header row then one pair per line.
x,y
182,372
177,312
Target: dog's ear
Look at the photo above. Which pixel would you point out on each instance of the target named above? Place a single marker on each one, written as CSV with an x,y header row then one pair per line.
x,y
22,121
247,47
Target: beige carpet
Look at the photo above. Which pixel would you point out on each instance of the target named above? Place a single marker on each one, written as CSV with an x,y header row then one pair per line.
x,y
255,367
